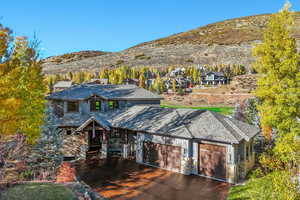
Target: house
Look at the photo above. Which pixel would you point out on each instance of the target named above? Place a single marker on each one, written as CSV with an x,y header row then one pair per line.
x,y
177,72
132,81
102,81
127,121
213,78
61,85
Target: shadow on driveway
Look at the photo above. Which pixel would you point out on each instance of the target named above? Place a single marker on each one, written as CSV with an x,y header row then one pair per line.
x,y
120,179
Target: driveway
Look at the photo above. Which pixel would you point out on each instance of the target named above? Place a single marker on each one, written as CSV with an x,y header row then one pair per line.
x,y
119,179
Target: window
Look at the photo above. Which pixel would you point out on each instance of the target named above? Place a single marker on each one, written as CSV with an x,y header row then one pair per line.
x,y
113,104
210,77
69,132
95,105
73,106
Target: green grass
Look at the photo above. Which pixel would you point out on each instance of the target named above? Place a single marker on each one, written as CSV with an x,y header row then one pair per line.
x,y
221,110
239,192
38,191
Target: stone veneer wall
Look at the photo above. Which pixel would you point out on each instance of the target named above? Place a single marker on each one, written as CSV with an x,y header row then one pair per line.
x,y
75,145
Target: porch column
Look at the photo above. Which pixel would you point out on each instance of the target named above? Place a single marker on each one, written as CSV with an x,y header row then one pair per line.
x,y
104,146
125,145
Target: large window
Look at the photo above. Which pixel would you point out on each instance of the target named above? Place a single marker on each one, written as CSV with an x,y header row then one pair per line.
x,y
113,104
73,106
95,105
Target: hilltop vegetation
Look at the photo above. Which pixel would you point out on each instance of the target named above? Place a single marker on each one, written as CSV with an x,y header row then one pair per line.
x,y
226,42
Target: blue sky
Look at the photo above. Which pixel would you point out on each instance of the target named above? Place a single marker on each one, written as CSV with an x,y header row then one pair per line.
x,y
73,25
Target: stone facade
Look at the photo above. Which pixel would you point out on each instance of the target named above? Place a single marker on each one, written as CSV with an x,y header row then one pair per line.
x,y
75,145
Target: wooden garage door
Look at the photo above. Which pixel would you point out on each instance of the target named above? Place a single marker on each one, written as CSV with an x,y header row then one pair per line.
x,y
212,161
160,155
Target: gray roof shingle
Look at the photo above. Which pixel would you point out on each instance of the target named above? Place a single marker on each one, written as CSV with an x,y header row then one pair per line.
x,y
184,123
114,92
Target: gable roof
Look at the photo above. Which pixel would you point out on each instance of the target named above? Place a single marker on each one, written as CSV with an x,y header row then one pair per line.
x,y
183,123
186,123
113,92
211,72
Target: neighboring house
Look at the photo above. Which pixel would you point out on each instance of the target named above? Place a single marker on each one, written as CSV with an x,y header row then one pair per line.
x,y
126,121
213,78
61,85
131,81
177,72
180,83
102,81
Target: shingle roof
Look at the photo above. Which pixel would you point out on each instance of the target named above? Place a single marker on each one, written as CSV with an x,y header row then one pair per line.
x,y
115,92
184,123
215,73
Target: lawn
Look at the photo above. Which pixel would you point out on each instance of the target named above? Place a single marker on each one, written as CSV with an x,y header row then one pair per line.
x,y
38,191
221,110
239,192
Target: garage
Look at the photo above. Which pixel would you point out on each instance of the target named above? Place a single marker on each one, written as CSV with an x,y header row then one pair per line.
x,y
161,155
212,161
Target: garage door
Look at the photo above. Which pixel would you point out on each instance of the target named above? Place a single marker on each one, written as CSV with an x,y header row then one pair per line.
x,y
160,155
212,161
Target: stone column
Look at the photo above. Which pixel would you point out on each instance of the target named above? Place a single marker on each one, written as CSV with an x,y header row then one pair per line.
x,y
104,146
125,150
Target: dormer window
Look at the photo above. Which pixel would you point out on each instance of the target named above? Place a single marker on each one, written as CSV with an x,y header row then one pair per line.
x,y
73,106
113,104
95,105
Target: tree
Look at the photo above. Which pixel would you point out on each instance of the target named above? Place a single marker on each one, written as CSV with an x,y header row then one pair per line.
x,y
142,80
47,148
22,89
279,86
278,92
174,85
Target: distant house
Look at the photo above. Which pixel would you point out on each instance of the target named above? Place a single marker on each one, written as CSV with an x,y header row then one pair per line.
x,y
177,72
213,78
132,81
102,81
61,85
180,83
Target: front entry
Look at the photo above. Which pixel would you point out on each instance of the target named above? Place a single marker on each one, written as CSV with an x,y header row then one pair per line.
x,y
95,140
212,161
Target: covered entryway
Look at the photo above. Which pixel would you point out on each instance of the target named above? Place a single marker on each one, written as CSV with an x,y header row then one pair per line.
x,y
161,155
212,161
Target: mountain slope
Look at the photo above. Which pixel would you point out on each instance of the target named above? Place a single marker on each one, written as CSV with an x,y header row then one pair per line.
x,y
226,42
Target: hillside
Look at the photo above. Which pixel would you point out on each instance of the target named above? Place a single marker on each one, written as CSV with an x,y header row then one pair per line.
x,y
226,42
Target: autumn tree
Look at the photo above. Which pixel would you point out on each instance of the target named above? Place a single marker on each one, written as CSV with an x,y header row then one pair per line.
x,y
22,87
174,85
278,87
278,91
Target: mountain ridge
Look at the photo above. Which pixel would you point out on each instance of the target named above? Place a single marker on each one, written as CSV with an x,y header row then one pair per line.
x,y
226,42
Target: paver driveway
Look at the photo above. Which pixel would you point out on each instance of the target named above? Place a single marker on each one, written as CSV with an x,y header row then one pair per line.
x,y
123,179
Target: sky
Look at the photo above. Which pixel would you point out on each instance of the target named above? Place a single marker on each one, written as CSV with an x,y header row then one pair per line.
x,y
65,26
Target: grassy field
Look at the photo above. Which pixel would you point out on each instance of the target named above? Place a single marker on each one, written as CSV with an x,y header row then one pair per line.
x,y
38,191
221,110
